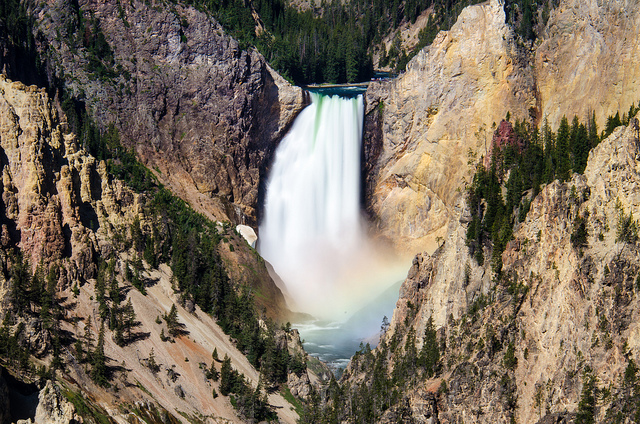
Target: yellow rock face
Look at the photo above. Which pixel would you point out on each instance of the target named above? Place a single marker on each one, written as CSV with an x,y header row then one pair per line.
x,y
589,60
435,115
437,119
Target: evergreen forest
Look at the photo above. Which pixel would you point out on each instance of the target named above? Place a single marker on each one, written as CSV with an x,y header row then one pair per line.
x,y
331,41
334,41
530,159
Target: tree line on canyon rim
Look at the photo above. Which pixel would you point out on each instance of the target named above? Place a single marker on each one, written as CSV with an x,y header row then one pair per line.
x,y
334,41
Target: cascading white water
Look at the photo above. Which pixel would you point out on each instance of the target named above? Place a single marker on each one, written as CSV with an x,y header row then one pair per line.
x,y
312,225
315,238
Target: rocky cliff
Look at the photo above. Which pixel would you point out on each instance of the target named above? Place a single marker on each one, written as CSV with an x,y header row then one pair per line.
x,y
203,112
435,121
551,339
435,116
587,61
63,215
56,199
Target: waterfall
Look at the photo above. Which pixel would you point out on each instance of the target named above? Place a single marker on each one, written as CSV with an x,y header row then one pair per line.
x,y
312,225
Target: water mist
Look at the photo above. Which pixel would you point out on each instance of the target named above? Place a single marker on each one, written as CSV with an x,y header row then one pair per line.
x,y
313,232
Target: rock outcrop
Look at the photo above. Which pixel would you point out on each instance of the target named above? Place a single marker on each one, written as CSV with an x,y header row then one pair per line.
x,y
298,382
57,200
201,111
435,116
524,344
246,268
435,121
53,407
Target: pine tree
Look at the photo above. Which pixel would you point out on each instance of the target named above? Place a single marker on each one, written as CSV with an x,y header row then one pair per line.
x,y
227,380
562,150
430,352
99,362
36,289
87,341
56,361
100,288
384,326
580,146
5,336
410,354
151,362
49,309
78,347
172,321
114,291
212,373
136,235
128,319
351,60
149,254
587,405
20,282
613,122
573,141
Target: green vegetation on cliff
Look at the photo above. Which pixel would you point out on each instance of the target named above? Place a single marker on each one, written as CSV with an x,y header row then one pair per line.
x,y
334,41
166,230
187,241
522,160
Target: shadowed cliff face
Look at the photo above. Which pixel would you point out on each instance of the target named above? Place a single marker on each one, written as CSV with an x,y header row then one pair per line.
x,y
203,113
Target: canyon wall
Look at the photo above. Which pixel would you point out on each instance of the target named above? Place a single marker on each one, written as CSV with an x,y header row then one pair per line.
x,y
62,210
436,120
57,201
428,129
525,344
588,60
199,109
